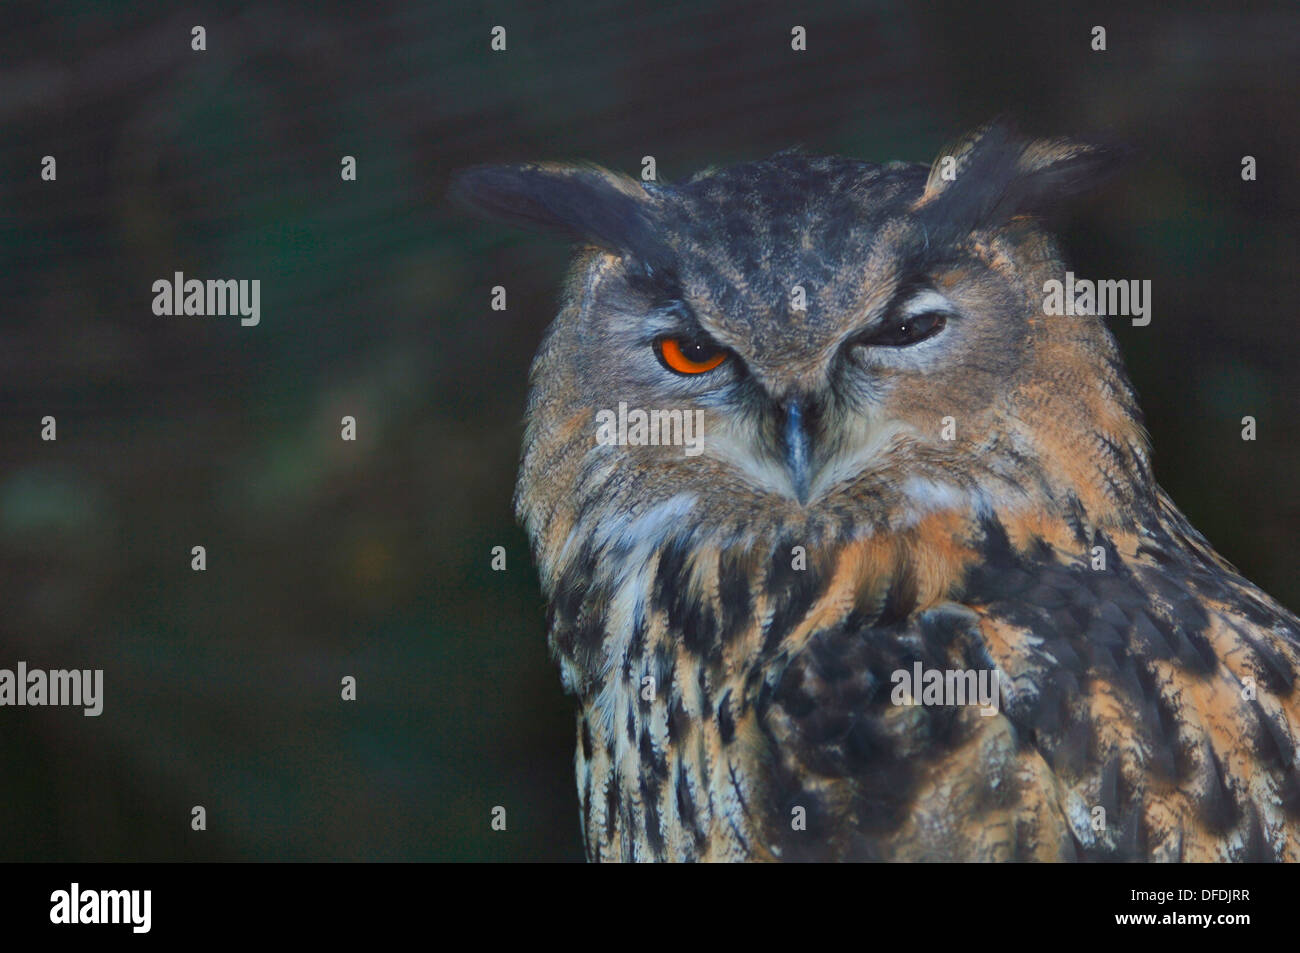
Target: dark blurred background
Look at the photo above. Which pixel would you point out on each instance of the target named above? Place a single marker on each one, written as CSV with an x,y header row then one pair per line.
x,y
371,558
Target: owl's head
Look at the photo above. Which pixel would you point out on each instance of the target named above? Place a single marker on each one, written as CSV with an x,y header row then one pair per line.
x,y
857,341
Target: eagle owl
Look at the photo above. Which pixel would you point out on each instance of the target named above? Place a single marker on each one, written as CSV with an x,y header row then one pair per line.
x,y
901,474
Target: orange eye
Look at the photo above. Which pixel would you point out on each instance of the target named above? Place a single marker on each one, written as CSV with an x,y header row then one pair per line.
x,y
689,357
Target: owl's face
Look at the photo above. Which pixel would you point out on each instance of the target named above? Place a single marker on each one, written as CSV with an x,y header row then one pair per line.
x,y
860,342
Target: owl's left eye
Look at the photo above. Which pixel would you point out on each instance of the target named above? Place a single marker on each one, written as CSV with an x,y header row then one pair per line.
x,y
905,330
687,355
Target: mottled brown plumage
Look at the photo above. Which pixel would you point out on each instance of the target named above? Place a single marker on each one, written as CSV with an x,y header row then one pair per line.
x,y
918,466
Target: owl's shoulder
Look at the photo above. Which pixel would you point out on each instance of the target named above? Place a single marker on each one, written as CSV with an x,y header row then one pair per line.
x,y
1126,695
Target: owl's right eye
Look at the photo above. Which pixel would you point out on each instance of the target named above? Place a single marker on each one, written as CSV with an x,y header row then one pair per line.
x,y
687,355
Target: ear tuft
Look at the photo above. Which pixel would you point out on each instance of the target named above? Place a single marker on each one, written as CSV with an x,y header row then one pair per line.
x,y
583,203
993,175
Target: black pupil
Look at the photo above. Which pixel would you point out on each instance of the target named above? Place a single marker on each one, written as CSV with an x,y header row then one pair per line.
x,y
909,331
697,351
916,326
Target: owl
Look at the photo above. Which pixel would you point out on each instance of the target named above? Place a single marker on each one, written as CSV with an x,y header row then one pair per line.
x,y
852,548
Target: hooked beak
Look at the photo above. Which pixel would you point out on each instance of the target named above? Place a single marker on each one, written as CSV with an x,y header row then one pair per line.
x,y
797,446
